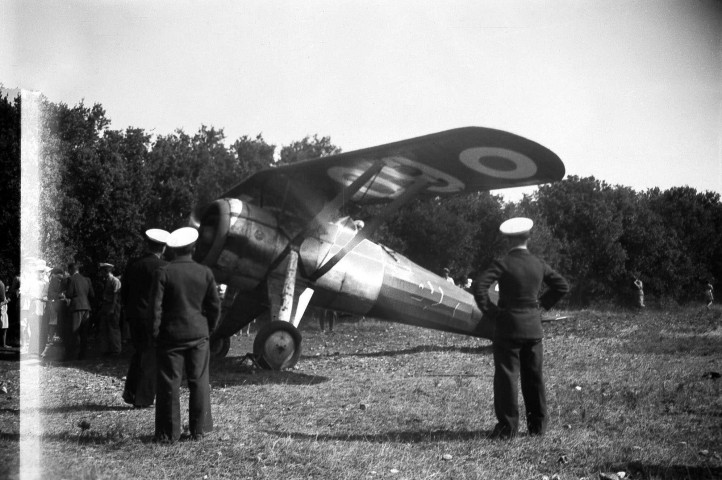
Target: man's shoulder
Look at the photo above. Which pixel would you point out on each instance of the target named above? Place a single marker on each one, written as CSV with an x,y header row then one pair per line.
x,y
144,260
185,265
189,267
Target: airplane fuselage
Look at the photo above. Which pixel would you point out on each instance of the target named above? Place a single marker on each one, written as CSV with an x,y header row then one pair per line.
x,y
247,249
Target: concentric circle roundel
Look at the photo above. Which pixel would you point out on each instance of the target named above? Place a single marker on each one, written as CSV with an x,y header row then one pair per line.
x,y
498,162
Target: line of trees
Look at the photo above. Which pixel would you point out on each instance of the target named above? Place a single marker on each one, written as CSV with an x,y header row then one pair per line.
x,y
101,188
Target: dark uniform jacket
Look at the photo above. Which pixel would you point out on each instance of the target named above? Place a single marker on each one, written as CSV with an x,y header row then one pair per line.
x,y
80,292
137,283
186,305
520,275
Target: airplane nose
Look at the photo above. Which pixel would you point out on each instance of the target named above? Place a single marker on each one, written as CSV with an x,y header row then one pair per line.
x,y
212,231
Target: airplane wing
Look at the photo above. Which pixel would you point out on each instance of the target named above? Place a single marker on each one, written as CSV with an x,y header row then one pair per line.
x,y
455,161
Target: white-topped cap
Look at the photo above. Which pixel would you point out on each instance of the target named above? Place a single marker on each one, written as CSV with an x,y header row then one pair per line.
x,y
157,235
516,226
182,237
106,265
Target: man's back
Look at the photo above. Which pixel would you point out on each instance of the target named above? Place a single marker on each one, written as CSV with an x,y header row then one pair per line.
x,y
137,284
80,292
520,275
187,305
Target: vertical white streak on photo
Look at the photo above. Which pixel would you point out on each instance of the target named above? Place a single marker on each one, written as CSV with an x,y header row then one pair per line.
x,y
30,401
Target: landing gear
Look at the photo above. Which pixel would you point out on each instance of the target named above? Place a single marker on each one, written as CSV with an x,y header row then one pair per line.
x,y
277,345
220,347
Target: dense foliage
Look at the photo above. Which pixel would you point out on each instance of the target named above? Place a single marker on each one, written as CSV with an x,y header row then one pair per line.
x,y
101,188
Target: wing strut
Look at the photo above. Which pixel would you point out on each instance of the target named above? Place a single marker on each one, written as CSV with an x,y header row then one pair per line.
x,y
346,193
420,184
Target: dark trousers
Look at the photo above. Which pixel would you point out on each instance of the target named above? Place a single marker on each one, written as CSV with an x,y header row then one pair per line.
x,y
140,381
327,317
44,327
513,358
77,341
173,359
110,332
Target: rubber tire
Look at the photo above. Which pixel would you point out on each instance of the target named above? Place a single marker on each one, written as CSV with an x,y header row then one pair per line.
x,y
219,347
265,333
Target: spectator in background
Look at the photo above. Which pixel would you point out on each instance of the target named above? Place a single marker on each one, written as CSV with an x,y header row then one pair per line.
x,y
709,295
32,295
4,320
79,296
50,316
327,317
111,338
447,276
14,311
468,284
640,292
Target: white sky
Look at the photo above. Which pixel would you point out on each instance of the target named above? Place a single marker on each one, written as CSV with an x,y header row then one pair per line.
x,y
628,91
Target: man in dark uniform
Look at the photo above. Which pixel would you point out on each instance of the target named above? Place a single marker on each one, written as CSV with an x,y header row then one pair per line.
x,y
79,295
135,292
518,332
186,309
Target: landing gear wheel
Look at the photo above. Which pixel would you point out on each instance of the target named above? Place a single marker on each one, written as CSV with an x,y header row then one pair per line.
x,y
220,347
277,345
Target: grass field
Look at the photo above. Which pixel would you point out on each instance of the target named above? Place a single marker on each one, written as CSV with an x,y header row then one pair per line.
x,y
637,393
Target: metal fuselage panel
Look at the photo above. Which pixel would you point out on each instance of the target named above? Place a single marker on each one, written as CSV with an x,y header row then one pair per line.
x,y
413,295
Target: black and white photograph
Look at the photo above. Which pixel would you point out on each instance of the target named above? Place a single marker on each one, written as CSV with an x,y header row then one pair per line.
x,y
350,239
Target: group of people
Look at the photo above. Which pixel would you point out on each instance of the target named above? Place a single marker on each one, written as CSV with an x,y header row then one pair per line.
x,y
464,282
52,305
172,308
169,308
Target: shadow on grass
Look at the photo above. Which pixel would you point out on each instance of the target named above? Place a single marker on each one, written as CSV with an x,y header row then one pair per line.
x,y
16,411
10,355
234,371
89,407
88,437
394,437
656,343
667,472
481,349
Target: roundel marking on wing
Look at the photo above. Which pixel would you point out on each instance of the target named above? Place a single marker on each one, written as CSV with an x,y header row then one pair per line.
x,y
498,162
446,183
398,173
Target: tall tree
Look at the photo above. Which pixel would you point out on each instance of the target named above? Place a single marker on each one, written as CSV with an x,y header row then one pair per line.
x,y
173,174
308,149
693,224
253,154
584,217
10,165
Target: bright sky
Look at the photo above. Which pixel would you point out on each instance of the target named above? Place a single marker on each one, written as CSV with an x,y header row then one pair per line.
x,y
627,91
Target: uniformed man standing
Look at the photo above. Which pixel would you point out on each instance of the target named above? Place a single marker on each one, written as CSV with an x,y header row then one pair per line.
x,y
186,311
110,312
518,331
135,293
79,296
